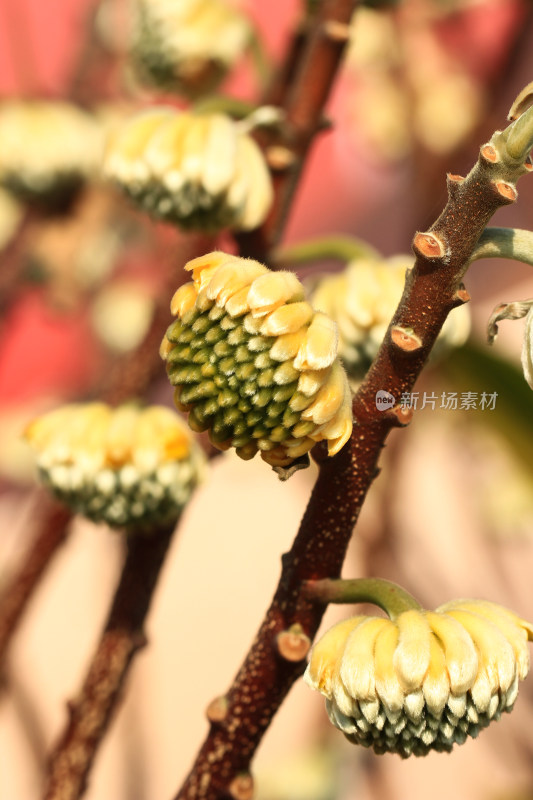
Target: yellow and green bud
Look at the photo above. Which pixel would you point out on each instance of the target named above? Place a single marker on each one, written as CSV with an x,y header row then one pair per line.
x,y
200,171
362,300
254,364
47,149
190,45
423,681
128,466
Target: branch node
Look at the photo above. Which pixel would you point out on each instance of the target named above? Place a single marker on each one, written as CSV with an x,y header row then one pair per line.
x,y
506,191
489,154
429,245
293,644
139,640
337,31
461,296
242,787
217,710
405,338
454,183
400,416
279,158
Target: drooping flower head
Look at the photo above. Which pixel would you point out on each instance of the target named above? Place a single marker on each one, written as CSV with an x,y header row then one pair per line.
x,y
188,46
200,171
423,681
47,148
254,364
362,300
127,466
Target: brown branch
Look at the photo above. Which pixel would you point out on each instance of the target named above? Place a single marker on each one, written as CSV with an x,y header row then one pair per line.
x,y
123,636
432,289
319,62
53,522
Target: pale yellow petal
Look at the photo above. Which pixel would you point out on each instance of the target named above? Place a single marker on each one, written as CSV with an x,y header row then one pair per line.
x,y
325,654
287,319
121,434
183,299
319,348
411,659
310,381
272,290
260,192
496,656
220,154
329,398
507,621
436,685
237,305
387,684
460,653
357,663
204,267
231,277
125,153
287,345
163,151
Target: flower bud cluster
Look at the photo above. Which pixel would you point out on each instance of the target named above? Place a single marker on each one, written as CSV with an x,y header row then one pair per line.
x,y
47,148
201,171
129,467
423,681
362,300
188,45
254,364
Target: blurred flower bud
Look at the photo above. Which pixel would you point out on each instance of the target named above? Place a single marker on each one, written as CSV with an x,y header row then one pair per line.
x,y
121,315
47,149
254,364
201,171
362,300
190,45
423,681
11,213
129,467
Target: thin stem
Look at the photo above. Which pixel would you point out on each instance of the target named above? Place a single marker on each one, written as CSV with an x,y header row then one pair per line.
x,y
514,243
123,636
433,287
390,597
339,248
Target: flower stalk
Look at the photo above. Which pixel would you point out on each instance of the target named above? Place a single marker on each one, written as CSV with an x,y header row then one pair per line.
x,y
387,595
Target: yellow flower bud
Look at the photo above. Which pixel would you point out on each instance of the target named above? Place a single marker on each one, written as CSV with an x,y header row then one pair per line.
x,y
127,466
243,358
424,680
200,171
189,45
47,148
362,300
